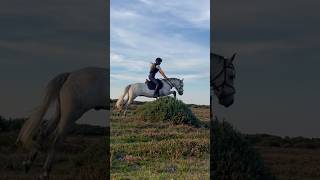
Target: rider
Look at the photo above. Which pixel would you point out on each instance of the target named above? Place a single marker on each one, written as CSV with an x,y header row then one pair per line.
x,y
154,68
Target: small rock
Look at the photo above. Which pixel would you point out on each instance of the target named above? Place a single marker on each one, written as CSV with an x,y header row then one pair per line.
x,y
170,169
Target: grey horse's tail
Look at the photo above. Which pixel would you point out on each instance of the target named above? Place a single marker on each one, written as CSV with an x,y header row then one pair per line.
x,y
120,101
32,124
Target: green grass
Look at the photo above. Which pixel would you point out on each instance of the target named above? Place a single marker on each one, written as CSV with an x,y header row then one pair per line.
x,y
157,148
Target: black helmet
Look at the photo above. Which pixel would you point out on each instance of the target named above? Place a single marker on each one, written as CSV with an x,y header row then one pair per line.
x,y
158,60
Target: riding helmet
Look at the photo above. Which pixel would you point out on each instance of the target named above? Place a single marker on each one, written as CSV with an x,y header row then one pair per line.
x,y
158,60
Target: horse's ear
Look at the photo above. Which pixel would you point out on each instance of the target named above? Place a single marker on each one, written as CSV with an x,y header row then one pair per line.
x,y
233,56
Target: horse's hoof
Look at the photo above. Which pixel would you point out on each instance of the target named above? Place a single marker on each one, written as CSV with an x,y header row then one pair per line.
x,y
44,176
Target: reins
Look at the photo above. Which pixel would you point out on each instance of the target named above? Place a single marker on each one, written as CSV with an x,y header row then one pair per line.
x,y
224,83
170,83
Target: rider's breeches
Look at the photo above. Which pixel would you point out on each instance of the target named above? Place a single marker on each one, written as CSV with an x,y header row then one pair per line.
x,y
154,81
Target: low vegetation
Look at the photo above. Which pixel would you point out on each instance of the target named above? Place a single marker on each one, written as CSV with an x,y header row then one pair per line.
x,y
148,144
167,109
82,156
165,149
284,142
233,156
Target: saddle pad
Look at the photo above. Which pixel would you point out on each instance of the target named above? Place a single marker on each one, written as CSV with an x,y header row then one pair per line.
x,y
152,86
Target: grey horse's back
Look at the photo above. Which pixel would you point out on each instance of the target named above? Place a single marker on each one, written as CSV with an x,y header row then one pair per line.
x,y
88,86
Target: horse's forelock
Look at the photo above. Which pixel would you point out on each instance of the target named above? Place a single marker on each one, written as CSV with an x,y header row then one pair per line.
x,y
180,81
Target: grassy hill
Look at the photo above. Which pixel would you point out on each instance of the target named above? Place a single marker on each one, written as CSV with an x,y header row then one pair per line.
x,y
156,149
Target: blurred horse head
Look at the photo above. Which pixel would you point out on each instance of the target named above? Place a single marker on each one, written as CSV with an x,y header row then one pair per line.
x,y
222,78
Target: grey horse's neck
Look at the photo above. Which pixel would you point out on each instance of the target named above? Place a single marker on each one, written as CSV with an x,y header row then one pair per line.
x,y
173,82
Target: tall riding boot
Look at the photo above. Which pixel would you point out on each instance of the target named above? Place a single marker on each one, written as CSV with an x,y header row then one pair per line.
x,y
156,92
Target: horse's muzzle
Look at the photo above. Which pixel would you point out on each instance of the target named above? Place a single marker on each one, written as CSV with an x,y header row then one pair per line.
x,y
227,100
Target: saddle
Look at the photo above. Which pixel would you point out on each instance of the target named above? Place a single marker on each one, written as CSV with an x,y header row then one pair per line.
x,y
152,86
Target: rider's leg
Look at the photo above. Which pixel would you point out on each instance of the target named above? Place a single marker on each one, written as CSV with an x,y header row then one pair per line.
x,y
156,91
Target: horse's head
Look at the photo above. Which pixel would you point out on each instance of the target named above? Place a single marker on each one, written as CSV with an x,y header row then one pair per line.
x,y
222,78
178,84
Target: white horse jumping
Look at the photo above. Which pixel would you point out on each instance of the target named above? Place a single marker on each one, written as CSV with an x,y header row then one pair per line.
x,y
74,94
222,76
141,89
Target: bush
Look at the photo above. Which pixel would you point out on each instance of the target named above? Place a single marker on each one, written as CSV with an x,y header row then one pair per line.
x,y
233,157
10,124
266,140
167,109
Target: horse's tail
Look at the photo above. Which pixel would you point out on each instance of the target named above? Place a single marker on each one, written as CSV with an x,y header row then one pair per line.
x,y
120,101
30,128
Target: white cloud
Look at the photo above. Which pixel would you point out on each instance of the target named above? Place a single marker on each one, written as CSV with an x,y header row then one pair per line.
x,y
178,52
127,77
123,14
197,13
119,61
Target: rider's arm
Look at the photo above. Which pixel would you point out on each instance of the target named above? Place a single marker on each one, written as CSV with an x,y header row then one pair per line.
x,y
162,73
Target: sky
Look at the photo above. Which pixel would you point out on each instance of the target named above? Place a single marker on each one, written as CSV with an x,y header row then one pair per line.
x,y
177,31
277,65
40,39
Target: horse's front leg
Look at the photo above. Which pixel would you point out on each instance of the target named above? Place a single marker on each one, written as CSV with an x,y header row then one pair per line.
x,y
174,94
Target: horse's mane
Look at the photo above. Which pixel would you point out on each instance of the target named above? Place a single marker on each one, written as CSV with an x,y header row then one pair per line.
x,y
171,79
217,56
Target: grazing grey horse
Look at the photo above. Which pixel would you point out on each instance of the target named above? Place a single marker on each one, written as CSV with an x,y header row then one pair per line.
x,y
74,94
141,89
222,78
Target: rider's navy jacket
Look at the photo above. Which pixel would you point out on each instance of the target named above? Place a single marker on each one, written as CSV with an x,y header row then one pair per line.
x,y
153,70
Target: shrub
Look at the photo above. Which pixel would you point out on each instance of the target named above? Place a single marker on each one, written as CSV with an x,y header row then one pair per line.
x,y
167,109
11,124
233,157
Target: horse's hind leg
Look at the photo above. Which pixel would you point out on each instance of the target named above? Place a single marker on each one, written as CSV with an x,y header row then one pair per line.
x,y
31,157
66,122
42,136
45,130
130,100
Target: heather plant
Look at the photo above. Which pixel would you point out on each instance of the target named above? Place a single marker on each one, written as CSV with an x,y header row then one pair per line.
x,y
167,109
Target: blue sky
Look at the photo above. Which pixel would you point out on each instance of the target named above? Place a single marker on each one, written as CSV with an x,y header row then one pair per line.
x,y
177,31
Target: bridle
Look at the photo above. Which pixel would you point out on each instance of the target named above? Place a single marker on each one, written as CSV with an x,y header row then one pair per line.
x,y
221,86
173,85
